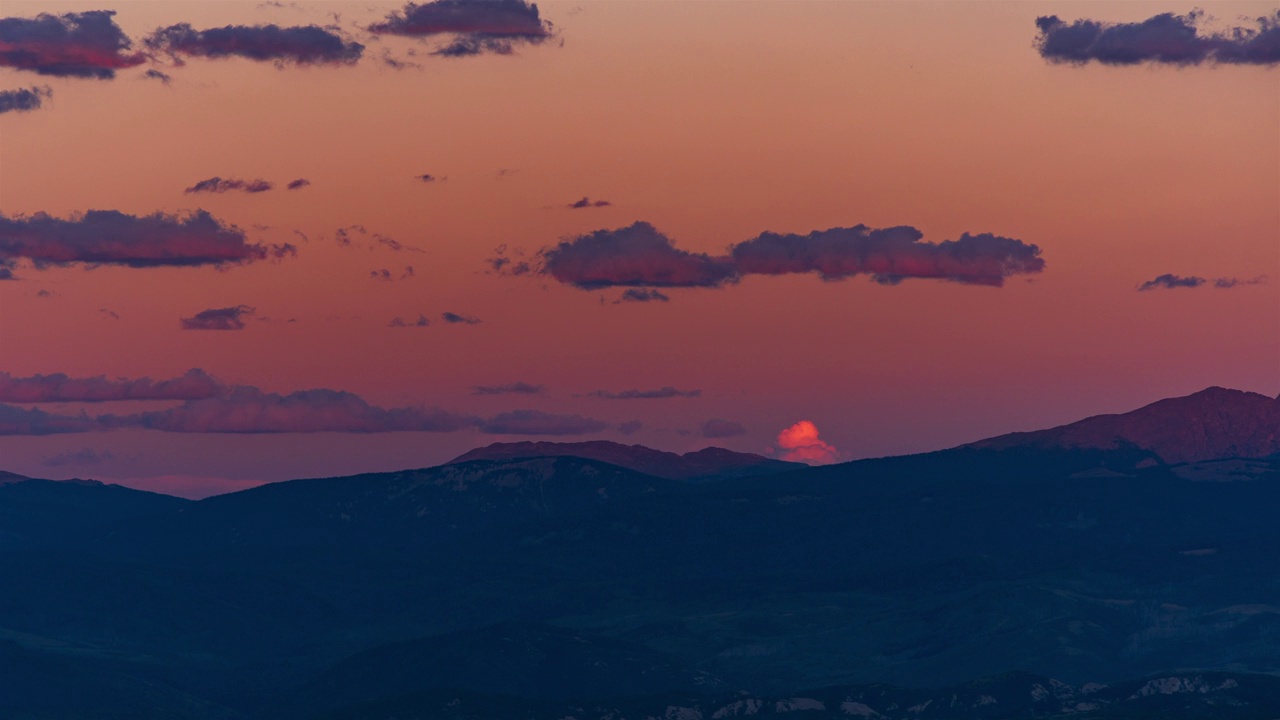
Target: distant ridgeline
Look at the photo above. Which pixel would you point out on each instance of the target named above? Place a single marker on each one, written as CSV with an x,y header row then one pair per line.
x,y
1127,557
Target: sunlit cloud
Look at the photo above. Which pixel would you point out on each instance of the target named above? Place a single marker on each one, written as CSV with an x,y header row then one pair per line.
x,y
801,443
78,44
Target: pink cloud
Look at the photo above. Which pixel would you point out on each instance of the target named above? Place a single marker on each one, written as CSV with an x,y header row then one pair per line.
x,y
802,444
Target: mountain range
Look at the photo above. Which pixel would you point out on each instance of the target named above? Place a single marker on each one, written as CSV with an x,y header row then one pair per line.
x,y
1117,567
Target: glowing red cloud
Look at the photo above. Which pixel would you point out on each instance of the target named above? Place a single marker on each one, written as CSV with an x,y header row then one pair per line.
x,y
802,444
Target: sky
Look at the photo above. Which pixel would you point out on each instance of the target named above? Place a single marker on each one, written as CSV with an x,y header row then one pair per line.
x,y
244,242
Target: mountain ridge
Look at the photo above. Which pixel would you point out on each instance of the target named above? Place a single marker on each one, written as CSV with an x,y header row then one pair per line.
x,y
1211,424
707,462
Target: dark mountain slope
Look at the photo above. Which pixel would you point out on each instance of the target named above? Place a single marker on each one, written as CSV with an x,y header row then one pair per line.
x,y
1013,696
516,659
68,512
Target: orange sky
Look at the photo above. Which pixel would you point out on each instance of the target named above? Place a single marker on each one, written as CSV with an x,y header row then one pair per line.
x,y
714,121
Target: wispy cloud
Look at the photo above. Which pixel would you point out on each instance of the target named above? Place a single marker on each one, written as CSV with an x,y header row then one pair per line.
x,y
630,427
79,458
535,422
515,388
397,322
60,388
1161,39
250,410
19,421
298,184
228,318
587,202
356,236
661,393
1169,281
209,406
77,44
716,428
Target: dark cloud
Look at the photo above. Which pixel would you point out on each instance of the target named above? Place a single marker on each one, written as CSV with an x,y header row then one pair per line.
x,y
587,202
637,255
659,394
228,318
889,255
396,63
249,410
515,388
86,456
1169,281
722,429
383,274
426,178
397,322
455,318
153,74
218,185
356,236
109,237
1227,283
535,422
192,385
641,295
109,313
299,184
299,44
18,421
23,99
514,267
640,256
1165,38
630,426
479,26
83,44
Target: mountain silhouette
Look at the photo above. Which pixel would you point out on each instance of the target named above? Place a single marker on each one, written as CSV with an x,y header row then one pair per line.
x,y
705,463
1212,424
